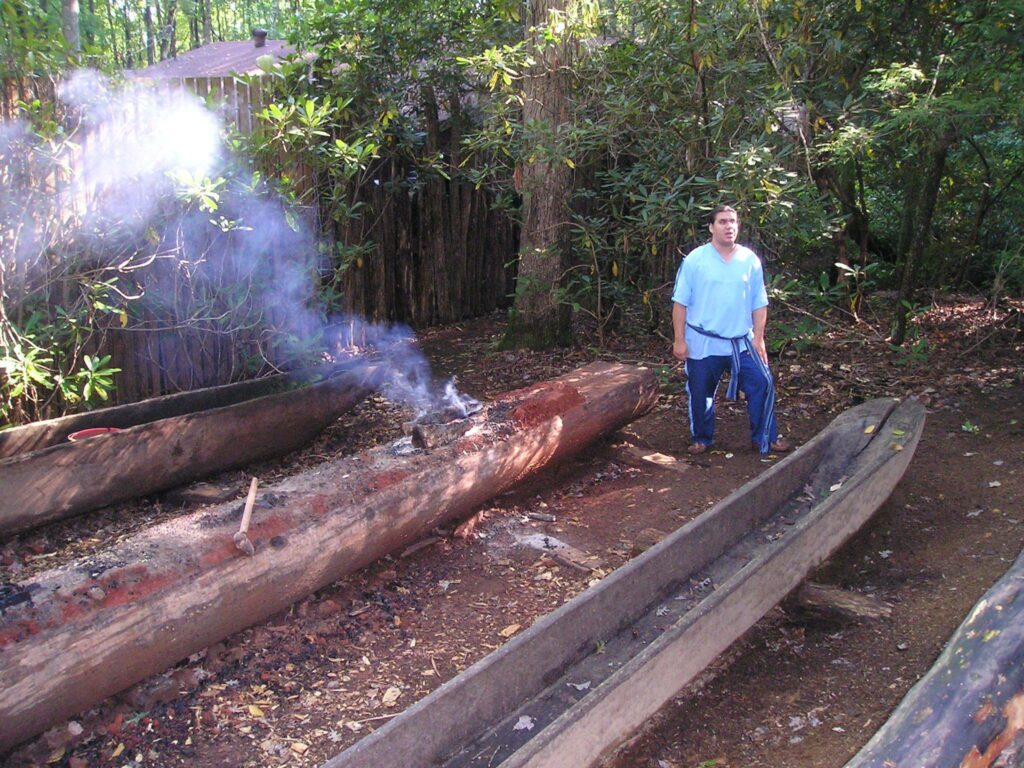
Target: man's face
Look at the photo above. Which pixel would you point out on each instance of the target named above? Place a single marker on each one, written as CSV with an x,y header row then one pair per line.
x,y
725,228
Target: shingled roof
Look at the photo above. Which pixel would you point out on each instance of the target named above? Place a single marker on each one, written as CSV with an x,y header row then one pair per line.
x,y
217,60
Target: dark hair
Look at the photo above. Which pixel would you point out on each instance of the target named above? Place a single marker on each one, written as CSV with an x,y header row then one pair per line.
x,y
720,209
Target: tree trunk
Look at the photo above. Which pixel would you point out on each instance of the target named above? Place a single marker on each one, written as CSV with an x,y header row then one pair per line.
x,y
69,22
193,25
968,710
113,36
921,232
207,22
90,34
129,60
150,35
539,319
166,21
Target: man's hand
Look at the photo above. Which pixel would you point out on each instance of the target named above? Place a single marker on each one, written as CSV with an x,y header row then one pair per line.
x,y
760,320
679,350
760,349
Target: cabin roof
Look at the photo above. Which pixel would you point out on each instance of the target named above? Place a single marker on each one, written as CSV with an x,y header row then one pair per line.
x,y
217,60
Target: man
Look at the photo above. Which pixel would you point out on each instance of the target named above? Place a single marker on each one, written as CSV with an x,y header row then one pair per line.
x,y
719,312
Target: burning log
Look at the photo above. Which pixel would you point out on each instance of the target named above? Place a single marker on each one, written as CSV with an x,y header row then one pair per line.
x,y
442,426
76,634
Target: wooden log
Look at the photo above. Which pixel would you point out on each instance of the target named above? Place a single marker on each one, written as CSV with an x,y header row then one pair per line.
x,y
74,635
968,711
834,604
70,478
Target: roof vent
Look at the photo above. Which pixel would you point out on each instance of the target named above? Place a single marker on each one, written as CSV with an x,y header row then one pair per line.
x,y
259,37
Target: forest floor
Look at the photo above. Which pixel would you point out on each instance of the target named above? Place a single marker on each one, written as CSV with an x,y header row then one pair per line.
x,y
793,691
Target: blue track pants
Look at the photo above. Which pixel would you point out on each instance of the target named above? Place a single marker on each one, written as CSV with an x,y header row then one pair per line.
x,y
755,381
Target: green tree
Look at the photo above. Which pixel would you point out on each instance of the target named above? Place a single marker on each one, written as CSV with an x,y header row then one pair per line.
x,y
545,173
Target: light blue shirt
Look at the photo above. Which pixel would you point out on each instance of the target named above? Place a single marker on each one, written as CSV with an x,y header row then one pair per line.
x,y
719,297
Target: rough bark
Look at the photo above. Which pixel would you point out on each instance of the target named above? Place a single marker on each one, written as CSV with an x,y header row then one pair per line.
x,y
538,319
968,711
74,635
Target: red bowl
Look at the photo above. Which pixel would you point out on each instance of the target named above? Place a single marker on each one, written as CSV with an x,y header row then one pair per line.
x,y
82,434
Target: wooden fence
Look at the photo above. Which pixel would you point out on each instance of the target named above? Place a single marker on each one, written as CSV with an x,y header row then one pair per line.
x,y
238,102
24,89
440,252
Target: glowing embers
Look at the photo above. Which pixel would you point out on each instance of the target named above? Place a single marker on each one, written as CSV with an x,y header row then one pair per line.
x,y
443,426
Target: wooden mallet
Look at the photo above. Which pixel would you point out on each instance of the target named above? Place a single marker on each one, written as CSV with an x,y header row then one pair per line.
x,y
242,538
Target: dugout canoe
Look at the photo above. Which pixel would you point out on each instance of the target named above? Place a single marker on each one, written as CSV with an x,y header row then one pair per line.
x,y
584,678
73,635
166,441
968,710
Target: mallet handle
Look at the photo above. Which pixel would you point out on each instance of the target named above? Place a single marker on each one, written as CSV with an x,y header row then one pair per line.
x,y
249,502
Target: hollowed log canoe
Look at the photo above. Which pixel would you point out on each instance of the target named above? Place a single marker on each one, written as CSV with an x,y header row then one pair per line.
x,y
584,678
968,711
166,441
74,635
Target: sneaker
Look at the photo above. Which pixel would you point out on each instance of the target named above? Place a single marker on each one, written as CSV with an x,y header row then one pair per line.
x,y
696,449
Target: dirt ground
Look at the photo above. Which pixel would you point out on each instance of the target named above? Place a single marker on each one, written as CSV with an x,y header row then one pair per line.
x,y
793,692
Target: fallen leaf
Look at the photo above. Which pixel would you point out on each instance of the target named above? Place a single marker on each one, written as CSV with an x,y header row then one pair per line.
x,y
299,747
255,711
510,630
994,484
117,750
391,696
899,432
869,429
660,458
353,726
524,723
56,756
834,488
580,686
